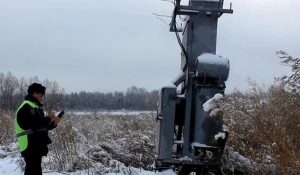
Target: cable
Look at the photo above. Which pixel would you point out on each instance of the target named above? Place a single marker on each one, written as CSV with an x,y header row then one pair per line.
x,y
179,41
176,31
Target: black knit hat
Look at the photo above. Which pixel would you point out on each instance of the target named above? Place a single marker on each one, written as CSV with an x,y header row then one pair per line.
x,y
35,87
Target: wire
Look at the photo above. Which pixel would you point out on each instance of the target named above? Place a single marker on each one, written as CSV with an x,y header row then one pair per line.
x,y
163,21
175,28
180,42
162,15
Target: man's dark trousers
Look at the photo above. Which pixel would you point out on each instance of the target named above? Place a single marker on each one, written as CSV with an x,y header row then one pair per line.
x,y
33,164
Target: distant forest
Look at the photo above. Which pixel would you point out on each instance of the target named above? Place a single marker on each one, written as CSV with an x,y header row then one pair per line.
x,y
13,91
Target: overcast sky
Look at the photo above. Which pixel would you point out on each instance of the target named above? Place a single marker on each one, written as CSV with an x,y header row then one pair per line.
x,y
97,45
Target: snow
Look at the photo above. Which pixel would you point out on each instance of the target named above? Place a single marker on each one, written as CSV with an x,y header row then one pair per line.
x,y
145,138
220,135
186,159
181,96
196,144
211,105
178,77
268,157
225,128
215,112
213,59
10,160
178,141
171,84
168,85
110,112
239,162
218,97
9,166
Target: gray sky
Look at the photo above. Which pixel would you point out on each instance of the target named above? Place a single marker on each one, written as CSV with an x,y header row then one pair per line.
x,y
97,45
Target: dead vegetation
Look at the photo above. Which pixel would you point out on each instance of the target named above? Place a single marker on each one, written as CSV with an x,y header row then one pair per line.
x,y
263,125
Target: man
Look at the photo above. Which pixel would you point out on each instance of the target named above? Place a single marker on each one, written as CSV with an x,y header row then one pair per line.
x,y
32,129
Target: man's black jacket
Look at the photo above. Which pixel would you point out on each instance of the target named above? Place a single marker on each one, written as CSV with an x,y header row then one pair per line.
x,y
34,118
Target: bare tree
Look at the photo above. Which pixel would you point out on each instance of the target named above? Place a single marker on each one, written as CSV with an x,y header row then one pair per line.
x,y
8,87
54,95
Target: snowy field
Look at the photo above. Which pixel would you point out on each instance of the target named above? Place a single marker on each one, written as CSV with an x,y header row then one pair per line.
x,y
111,112
99,143
10,165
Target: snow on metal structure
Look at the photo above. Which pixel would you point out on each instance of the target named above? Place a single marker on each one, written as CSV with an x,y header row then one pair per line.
x,y
189,138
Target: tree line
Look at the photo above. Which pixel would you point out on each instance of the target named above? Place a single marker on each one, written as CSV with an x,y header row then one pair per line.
x,y
13,90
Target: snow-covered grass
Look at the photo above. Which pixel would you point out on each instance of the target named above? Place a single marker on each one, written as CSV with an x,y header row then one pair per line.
x,y
100,143
6,130
93,144
11,164
111,112
263,126
116,145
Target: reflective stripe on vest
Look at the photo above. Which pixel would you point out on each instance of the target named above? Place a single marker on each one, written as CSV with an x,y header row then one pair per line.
x,y
30,131
22,134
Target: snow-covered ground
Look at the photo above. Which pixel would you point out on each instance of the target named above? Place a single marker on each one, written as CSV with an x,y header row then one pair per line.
x,y
106,143
111,112
11,163
9,166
